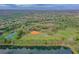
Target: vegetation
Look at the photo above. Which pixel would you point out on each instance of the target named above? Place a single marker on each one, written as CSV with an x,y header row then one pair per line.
x,y
53,28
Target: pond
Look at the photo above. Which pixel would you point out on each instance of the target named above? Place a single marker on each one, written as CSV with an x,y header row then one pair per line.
x,y
10,36
10,49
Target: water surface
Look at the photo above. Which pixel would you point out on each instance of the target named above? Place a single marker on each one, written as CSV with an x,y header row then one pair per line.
x,y
35,50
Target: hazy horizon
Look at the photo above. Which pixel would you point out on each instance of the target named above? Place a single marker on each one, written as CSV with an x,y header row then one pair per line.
x,y
39,6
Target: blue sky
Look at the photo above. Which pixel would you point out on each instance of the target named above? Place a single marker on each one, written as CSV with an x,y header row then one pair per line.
x,y
40,6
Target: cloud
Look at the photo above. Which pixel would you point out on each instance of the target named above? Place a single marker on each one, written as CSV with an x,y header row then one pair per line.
x,y
24,5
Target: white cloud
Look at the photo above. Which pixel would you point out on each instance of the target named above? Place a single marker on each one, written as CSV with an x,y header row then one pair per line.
x,y
23,5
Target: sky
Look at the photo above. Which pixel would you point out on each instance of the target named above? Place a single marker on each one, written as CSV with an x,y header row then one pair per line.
x,y
40,6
